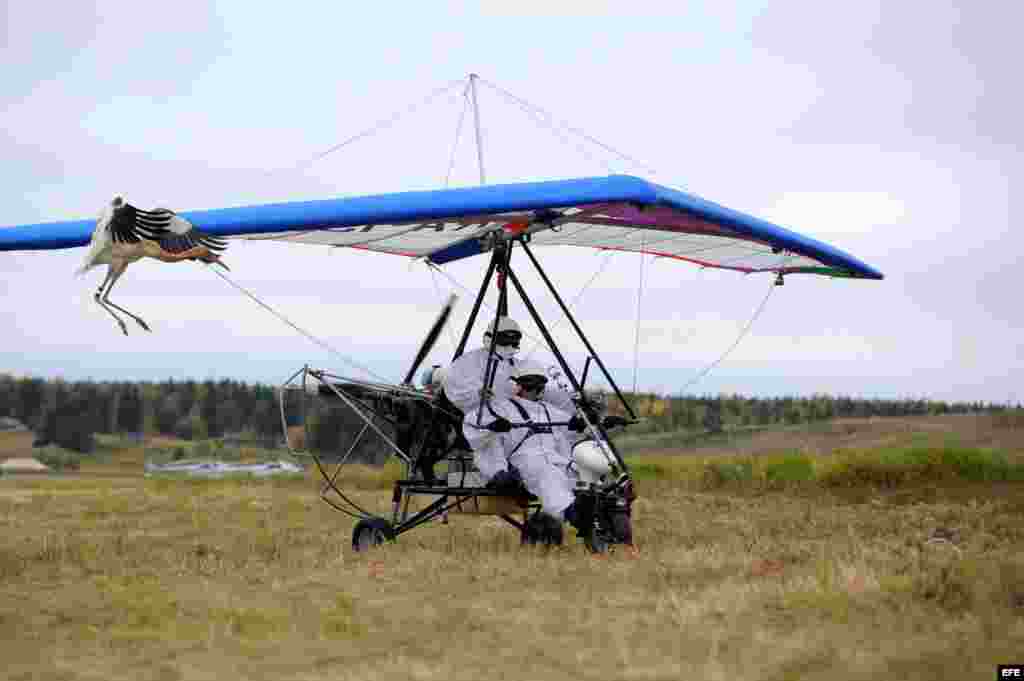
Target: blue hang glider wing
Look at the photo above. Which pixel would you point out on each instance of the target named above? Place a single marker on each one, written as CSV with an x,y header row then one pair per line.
x,y
618,212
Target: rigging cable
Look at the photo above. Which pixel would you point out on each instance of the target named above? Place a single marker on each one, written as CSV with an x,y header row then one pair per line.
x,y
639,297
523,103
322,343
750,323
536,341
380,125
447,180
483,303
458,135
437,289
575,300
540,120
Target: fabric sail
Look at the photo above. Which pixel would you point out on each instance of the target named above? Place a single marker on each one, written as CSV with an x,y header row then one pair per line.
x,y
617,212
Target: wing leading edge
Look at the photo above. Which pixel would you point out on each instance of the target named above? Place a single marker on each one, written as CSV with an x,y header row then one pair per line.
x,y
617,212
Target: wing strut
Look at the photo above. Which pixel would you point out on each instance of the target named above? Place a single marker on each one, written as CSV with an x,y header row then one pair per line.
x,y
476,305
502,251
579,332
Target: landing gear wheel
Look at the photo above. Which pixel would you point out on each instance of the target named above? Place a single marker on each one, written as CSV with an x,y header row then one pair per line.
x,y
600,539
622,528
542,529
371,532
596,540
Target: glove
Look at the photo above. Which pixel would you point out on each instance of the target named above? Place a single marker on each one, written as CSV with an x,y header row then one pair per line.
x,y
499,425
589,408
577,424
613,421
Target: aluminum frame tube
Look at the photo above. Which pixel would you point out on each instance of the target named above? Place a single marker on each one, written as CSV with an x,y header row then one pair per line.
x,y
579,331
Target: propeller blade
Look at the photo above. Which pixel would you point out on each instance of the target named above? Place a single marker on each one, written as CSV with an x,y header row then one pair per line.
x,y
435,332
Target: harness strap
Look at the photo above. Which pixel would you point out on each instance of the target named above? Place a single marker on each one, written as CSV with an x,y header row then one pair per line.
x,y
494,360
533,429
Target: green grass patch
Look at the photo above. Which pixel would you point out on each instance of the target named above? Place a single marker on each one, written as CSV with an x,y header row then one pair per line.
x,y
58,459
683,439
666,467
883,467
789,468
719,473
893,467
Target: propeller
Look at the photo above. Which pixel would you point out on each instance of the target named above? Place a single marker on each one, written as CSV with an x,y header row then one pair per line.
x,y
435,332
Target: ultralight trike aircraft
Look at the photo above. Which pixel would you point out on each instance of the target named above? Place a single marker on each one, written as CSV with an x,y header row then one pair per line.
x,y
505,222
615,212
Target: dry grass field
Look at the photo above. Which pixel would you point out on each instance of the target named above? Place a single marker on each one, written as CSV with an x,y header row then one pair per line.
x,y
107,575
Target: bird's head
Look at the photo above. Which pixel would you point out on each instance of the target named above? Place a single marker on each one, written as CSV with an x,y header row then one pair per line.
x,y
117,202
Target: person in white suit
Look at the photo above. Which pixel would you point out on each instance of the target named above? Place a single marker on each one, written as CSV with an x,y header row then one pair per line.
x,y
465,379
464,386
538,454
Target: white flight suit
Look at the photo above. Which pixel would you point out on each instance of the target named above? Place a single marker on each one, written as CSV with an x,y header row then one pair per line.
x,y
462,383
541,457
465,378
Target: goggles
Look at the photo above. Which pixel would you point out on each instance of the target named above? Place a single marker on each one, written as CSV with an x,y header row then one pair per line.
x,y
508,338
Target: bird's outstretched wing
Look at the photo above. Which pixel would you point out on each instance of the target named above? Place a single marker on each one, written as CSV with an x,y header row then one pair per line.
x,y
172,232
129,225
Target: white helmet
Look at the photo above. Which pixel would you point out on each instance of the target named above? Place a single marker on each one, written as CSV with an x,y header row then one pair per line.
x,y
527,367
504,324
530,377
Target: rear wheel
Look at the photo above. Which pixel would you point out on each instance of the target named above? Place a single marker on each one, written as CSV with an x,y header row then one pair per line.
x,y
542,529
611,529
370,533
622,527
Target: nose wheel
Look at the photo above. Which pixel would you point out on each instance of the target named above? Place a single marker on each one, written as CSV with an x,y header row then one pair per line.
x,y
370,533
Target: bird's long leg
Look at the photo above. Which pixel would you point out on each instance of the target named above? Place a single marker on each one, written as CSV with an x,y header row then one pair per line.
x,y
98,297
106,299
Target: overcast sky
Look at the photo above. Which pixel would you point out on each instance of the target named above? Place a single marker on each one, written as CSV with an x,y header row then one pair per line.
x,y
889,130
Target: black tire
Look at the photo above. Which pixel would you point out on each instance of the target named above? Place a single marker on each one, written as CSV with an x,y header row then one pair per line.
x,y
622,528
370,533
596,541
541,529
599,539
554,535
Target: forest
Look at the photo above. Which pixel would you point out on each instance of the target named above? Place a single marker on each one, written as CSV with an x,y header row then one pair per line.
x,y
69,413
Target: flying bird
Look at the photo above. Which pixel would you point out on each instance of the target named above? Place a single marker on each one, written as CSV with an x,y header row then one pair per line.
x,y
124,234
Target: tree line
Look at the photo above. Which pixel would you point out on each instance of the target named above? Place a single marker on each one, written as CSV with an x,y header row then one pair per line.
x,y
191,410
719,412
194,410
